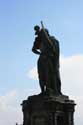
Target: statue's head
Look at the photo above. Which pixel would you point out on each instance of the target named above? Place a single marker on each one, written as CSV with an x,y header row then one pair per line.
x,y
37,29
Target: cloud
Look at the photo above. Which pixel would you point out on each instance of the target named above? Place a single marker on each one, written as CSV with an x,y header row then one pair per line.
x,y
71,70
10,109
79,110
33,73
71,74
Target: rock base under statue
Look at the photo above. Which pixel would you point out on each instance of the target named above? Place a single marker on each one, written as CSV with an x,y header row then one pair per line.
x,y
48,110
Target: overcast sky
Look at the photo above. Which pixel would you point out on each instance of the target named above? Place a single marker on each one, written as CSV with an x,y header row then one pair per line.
x,y
18,77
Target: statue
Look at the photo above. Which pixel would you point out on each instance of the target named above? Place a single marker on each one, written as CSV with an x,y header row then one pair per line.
x,y
48,63
50,107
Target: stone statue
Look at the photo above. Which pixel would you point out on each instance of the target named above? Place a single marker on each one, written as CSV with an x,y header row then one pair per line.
x,y
50,107
48,63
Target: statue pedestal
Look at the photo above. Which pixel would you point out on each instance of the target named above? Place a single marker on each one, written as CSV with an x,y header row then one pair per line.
x,y
48,110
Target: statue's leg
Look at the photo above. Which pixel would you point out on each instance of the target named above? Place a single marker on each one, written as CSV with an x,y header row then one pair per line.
x,y
58,82
49,77
41,74
42,86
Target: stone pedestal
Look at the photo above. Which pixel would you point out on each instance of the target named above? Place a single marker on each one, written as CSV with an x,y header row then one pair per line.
x,y
48,110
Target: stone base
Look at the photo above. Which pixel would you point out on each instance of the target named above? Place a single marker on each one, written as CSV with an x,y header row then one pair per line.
x,y
48,110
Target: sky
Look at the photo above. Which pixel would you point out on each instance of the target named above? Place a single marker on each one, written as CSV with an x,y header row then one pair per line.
x,y
18,76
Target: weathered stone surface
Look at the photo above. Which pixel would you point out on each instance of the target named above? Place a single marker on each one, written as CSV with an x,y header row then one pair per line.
x,y
48,110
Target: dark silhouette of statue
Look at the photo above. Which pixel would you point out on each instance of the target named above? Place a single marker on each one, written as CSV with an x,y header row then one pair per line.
x,y
50,107
48,63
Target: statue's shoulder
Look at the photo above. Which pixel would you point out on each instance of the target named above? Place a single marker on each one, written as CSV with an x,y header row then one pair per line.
x,y
54,40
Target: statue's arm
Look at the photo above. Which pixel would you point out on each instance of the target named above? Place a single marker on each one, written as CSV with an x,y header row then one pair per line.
x,y
34,50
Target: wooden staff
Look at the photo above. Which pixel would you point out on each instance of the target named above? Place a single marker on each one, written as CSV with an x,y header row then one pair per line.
x,y
47,36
